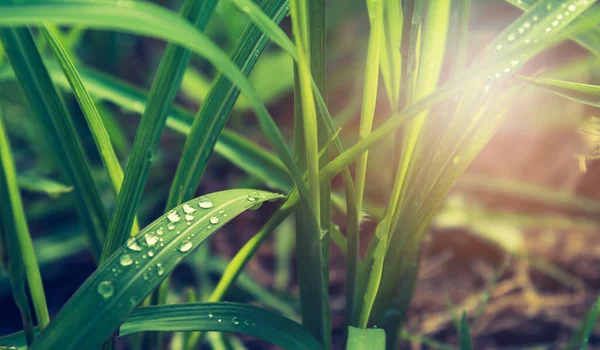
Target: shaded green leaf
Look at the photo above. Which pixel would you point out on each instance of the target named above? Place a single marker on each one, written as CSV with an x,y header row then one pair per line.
x,y
36,184
135,269
222,317
59,131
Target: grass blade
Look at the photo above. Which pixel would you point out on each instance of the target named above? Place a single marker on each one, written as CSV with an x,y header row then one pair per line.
x,y
465,335
360,339
214,112
16,248
95,123
588,40
58,128
36,184
130,274
162,94
579,92
221,317
581,337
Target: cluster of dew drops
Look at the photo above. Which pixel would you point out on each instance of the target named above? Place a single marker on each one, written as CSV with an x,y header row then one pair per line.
x,y
521,32
236,321
154,241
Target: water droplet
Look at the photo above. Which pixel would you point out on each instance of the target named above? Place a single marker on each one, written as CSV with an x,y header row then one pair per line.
x,y
555,23
499,47
160,270
498,75
173,216
559,17
511,37
456,160
548,30
526,25
235,321
151,239
144,256
150,253
246,323
185,247
171,227
105,289
535,18
514,62
246,9
521,30
527,41
189,217
188,209
549,7
133,245
208,227
210,316
214,220
160,231
125,260
253,196
219,320
506,70
205,203
572,8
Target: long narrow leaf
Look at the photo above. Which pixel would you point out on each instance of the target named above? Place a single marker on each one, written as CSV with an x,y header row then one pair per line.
x,y
95,123
162,94
221,317
136,268
59,130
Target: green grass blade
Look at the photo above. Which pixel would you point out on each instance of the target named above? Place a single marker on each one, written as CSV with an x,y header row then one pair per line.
x,y
16,248
589,40
214,112
242,152
579,92
462,36
37,184
390,56
465,335
130,274
360,339
95,123
59,130
580,339
367,114
222,317
162,94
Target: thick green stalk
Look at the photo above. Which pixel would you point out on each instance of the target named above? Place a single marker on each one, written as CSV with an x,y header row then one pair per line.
x,y
375,8
14,229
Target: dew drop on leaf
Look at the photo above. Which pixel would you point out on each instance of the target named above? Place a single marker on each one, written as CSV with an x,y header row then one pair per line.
x,y
151,239
125,260
235,321
185,247
188,209
189,217
160,270
160,231
214,220
210,316
205,203
133,245
253,196
105,289
173,216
